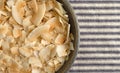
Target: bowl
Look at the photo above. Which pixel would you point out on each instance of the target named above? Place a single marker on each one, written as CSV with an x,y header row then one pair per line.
x,y
74,30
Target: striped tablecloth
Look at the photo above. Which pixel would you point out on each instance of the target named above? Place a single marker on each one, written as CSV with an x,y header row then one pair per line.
x,y
99,24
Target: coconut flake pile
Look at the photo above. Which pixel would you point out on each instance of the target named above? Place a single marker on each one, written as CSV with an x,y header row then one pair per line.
x,y
34,36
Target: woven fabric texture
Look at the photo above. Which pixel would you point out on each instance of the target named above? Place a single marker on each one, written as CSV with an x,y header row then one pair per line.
x,y
99,26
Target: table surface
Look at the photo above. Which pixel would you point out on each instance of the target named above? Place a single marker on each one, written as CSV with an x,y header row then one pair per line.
x,y
99,26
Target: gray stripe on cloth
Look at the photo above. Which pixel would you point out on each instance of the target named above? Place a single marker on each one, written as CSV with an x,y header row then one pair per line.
x,y
99,26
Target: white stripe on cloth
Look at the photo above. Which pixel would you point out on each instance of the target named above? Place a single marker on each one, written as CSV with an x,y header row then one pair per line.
x,y
101,56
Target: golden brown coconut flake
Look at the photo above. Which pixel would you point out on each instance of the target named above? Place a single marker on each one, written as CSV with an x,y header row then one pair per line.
x,y
18,11
34,6
2,4
34,36
38,16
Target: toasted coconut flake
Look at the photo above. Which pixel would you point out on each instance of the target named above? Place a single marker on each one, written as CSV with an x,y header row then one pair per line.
x,y
35,70
49,69
12,21
61,59
23,36
17,32
10,3
7,8
9,33
31,28
35,62
31,44
3,13
1,44
44,42
2,36
59,26
45,54
37,17
51,63
63,16
49,36
25,51
52,22
28,12
57,67
71,46
10,39
35,6
3,19
20,5
50,5
18,11
27,22
61,21
5,45
13,69
60,39
60,7
2,4
61,50
36,53
68,34
43,30
53,51
36,33
3,30
39,47
16,15
34,36
14,50
49,15
57,64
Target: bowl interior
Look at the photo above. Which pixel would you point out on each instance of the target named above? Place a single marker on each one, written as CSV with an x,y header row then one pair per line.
x,y
74,31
